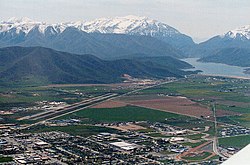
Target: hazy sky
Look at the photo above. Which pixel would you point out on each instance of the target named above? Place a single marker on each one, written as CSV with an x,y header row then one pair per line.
x,y
200,19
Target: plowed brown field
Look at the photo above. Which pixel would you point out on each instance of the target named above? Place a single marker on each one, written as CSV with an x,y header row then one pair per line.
x,y
180,105
110,104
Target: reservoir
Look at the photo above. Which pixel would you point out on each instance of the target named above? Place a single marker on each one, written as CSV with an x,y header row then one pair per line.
x,y
217,69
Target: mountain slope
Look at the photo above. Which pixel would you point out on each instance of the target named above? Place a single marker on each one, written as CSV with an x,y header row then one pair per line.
x,y
230,56
134,25
237,38
43,65
25,32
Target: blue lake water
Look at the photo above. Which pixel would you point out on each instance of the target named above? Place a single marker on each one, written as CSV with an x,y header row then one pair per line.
x,y
217,68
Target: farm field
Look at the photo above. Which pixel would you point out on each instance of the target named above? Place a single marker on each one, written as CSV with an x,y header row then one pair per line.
x,y
231,96
123,114
179,105
133,113
243,119
237,141
110,104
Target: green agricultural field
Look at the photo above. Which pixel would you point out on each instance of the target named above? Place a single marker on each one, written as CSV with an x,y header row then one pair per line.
x,y
133,113
204,90
200,87
243,120
237,141
239,98
123,114
234,108
81,130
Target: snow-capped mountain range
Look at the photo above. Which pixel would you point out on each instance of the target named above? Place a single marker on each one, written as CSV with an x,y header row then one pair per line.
x,y
242,33
119,25
133,25
26,32
237,38
104,35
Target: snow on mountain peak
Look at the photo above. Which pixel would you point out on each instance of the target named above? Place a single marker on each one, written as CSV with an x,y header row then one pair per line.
x,y
129,25
133,25
242,32
18,24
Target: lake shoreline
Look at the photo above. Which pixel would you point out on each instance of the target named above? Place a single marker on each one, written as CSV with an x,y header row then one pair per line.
x,y
218,69
235,77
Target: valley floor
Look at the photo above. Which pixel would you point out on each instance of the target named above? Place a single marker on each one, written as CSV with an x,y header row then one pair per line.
x,y
169,121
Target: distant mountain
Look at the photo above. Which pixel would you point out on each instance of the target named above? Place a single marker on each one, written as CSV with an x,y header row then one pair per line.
x,y
230,56
44,65
103,37
134,25
238,38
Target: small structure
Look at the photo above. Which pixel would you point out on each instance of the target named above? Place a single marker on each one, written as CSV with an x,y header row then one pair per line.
x,y
176,139
124,145
41,144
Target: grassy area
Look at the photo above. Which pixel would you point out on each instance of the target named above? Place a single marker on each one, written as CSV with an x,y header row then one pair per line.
x,y
81,130
133,113
201,87
193,145
146,130
195,136
5,159
198,157
190,88
213,158
234,108
189,123
158,135
29,95
243,120
239,98
237,141
204,90
211,130
123,114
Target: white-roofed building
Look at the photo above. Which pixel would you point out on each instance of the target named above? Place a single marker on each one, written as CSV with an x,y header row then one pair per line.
x,y
124,145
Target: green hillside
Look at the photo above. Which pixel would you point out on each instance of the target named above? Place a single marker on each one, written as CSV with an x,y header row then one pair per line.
x,y
44,66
